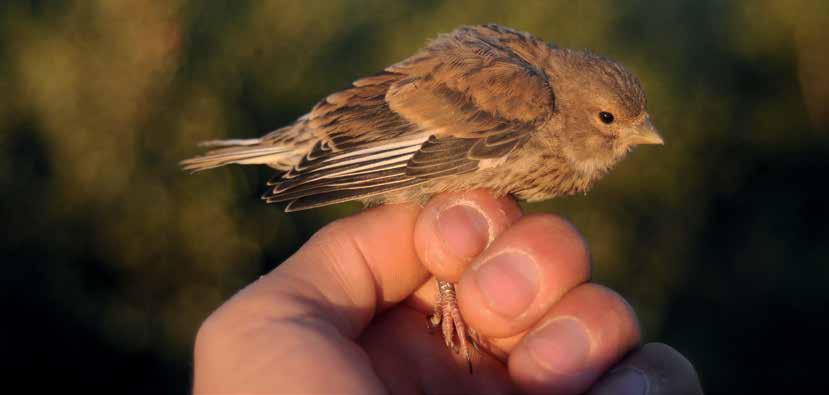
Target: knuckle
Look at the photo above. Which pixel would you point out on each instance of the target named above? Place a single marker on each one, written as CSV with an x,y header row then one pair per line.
x,y
333,232
333,242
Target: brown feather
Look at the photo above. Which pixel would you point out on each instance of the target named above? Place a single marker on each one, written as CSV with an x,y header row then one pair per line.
x,y
481,107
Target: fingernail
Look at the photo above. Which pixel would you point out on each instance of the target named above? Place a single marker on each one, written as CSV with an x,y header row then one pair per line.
x,y
464,230
624,381
561,346
508,283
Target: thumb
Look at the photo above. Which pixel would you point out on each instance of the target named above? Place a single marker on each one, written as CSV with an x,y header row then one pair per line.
x,y
302,315
346,272
353,268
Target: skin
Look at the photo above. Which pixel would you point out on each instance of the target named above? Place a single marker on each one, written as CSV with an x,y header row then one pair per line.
x,y
481,107
346,313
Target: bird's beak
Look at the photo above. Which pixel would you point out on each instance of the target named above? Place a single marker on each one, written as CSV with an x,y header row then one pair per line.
x,y
645,133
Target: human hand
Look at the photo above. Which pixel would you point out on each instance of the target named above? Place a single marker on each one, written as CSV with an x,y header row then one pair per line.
x,y
347,312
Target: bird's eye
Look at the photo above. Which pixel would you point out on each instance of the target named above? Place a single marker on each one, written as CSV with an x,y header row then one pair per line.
x,y
606,117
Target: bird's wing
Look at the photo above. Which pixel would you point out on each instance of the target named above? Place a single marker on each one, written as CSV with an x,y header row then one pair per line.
x,y
473,94
470,85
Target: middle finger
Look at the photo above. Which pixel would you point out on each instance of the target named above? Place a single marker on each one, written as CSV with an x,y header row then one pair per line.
x,y
525,271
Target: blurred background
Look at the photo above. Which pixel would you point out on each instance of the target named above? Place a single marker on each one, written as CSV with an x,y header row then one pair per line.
x,y
112,256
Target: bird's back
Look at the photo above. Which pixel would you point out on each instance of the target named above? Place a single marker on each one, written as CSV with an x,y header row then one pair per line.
x,y
462,113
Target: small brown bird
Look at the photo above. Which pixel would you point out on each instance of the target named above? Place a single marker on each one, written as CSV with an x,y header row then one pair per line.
x,y
481,107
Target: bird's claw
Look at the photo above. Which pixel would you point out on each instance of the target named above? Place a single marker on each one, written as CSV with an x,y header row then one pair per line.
x,y
456,335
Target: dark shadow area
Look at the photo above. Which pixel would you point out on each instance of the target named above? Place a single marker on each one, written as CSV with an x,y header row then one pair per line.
x,y
112,256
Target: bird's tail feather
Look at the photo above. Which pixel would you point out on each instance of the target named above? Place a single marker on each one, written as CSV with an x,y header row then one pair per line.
x,y
243,152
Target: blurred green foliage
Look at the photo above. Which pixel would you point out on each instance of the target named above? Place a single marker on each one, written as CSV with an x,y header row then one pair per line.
x,y
112,256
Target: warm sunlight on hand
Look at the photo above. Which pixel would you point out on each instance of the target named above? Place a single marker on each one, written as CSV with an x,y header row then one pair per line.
x,y
347,313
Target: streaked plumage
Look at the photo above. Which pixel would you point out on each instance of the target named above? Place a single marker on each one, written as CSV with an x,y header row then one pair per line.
x,y
481,107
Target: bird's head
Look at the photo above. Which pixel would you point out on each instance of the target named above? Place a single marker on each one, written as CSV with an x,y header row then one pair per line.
x,y
603,109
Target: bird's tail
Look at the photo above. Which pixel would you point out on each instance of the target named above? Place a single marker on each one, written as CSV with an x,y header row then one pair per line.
x,y
243,152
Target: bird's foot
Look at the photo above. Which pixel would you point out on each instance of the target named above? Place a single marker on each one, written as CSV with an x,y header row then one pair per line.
x,y
447,316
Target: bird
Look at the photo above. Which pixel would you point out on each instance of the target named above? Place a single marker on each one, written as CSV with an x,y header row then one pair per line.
x,y
481,107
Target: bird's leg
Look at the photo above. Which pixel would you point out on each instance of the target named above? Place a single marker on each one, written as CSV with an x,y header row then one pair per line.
x,y
448,316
